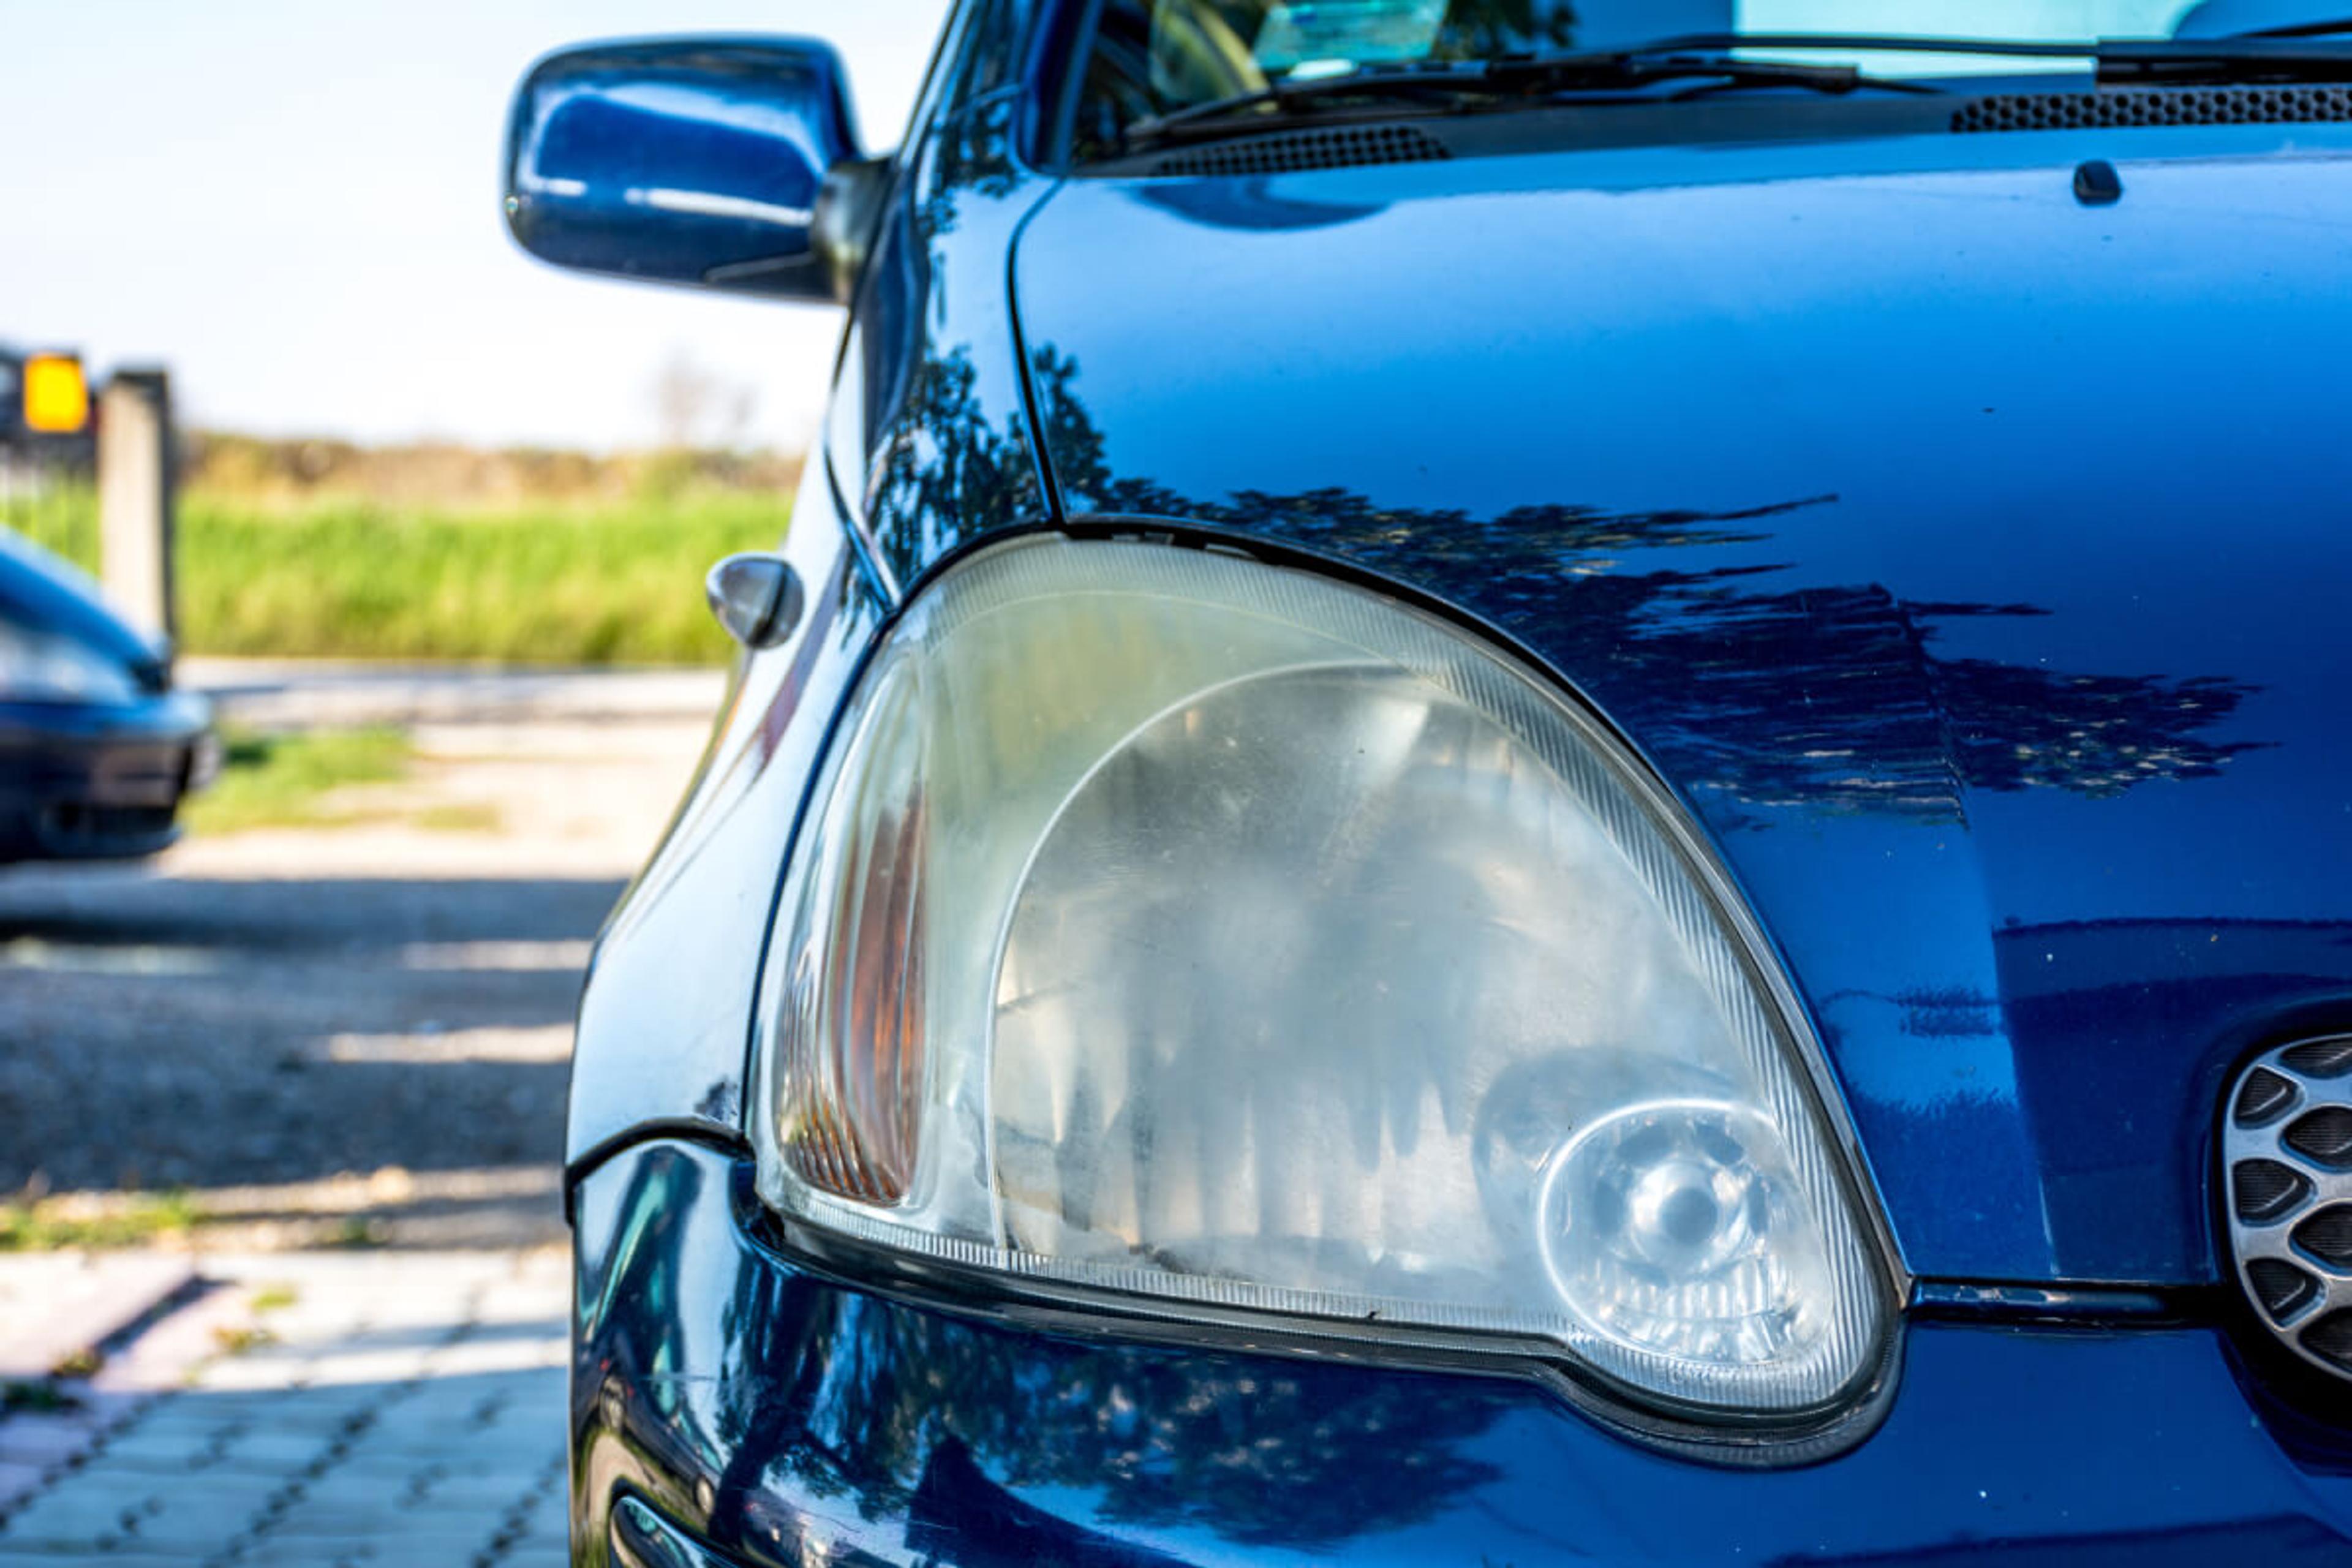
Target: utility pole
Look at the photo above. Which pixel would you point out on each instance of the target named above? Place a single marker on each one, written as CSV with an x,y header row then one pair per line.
x,y
135,503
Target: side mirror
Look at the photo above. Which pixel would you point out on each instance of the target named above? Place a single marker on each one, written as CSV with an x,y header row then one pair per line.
x,y
693,160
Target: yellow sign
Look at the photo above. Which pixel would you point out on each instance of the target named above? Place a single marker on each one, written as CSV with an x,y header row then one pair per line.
x,y
56,396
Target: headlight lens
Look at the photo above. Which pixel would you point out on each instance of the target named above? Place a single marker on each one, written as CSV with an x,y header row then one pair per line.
x,y
1169,923
37,666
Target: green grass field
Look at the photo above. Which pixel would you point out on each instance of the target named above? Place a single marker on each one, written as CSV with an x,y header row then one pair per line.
x,y
282,781
579,583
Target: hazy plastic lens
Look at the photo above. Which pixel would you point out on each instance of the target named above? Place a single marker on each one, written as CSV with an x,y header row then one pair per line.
x,y
1680,1227
1175,924
849,1051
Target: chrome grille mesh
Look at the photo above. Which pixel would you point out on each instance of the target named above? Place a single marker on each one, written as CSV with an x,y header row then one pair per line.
x,y
2286,1150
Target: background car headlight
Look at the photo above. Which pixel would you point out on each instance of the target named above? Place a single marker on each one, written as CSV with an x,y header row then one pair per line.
x,y
1172,924
37,666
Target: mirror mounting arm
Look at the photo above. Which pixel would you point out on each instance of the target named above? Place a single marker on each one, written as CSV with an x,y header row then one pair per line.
x,y
848,212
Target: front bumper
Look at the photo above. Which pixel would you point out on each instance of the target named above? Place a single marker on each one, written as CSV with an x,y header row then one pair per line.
x,y
731,1409
95,783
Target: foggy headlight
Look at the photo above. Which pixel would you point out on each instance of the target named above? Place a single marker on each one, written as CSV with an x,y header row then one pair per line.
x,y
1171,924
35,666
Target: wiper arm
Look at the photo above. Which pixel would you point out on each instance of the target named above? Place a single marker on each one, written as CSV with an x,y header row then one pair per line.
x,y
2298,53
2253,58
1514,75
1288,97
2300,30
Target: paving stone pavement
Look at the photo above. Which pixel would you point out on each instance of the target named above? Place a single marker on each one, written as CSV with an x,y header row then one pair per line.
x,y
326,1410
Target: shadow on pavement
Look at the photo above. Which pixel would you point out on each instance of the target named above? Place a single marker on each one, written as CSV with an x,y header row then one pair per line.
x,y
204,1034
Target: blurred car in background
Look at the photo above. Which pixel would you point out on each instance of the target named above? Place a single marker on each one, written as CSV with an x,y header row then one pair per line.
x,y
1519,790
96,748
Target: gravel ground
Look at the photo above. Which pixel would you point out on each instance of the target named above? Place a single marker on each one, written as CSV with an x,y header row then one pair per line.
x,y
368,1025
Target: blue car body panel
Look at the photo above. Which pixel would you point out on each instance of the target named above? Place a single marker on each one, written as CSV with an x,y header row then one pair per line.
x,y
1965,558
663,1021
821,1423
927,448
940,452
1968,560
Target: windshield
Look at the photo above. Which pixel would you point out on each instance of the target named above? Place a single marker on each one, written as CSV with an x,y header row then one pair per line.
x,y
1152,58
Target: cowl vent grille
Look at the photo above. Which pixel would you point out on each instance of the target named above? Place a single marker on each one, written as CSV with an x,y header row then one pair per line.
x,y
1332,147
2113,107
2286,1152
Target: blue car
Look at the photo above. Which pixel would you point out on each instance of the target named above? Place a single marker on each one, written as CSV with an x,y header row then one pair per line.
x,y
1528,784
96,748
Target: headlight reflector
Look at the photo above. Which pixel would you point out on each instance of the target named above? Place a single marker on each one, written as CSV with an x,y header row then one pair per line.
x,y
1169,923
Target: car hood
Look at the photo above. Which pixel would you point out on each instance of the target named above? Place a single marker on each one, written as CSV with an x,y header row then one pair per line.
x,y
1974,562
41,592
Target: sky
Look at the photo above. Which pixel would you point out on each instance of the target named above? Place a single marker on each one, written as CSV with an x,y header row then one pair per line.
x,y
294,204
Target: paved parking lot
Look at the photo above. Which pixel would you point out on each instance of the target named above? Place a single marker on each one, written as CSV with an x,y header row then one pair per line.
x,y
319,1410
347,1048
350,1032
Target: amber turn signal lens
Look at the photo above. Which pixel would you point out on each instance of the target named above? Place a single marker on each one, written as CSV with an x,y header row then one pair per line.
x,y
852,1063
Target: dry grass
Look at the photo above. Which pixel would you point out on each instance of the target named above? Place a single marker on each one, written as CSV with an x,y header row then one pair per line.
x,y
321,573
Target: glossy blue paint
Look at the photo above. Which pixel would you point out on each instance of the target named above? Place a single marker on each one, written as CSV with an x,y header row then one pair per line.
x,y
696,161
665,1016
945,453
778,1418
932,358
1967,559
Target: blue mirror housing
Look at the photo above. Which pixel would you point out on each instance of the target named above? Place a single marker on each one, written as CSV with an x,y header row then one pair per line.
x,y
692,161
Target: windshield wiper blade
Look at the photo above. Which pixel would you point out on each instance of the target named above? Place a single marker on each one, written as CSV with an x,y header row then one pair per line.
x,y
2300,30
1871,43
1512,76
2302,53
1288,97
2246,59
